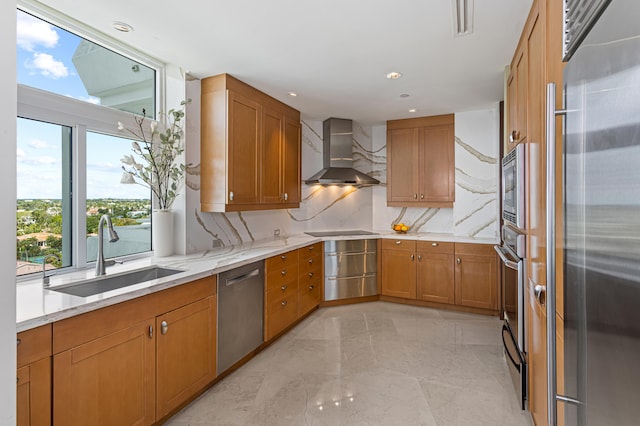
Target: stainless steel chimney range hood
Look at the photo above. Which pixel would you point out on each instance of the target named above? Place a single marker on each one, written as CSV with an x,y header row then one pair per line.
x,y
337,157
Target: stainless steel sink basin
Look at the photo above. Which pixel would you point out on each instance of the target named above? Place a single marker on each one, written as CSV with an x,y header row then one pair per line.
x,y
106,283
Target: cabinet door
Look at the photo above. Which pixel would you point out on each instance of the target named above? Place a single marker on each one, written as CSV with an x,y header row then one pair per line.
x,y
402,165
272,158
436,277
291,161
34,394
437,164
399,273
512,109
107,381
476,281
521,104
186,353
244,133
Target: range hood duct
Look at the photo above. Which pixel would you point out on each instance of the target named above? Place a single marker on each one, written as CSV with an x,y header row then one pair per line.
x,y
337,157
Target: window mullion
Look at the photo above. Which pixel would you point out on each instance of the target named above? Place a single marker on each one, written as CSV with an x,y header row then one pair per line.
x,y
79,199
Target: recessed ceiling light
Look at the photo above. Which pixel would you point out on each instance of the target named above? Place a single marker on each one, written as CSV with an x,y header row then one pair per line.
x,y
294,94
394,75
404,95
413,110
122,26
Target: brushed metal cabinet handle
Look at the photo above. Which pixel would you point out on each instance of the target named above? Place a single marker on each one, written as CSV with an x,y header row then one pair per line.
x,y
413,257
283,272
458,261
434,244
310,260
283,257
398,242
283,288
311,287
415,196
422,196
286,196
164,327
419,258
539,291
231,196
18,341
150,332
310,247
283,303
310,274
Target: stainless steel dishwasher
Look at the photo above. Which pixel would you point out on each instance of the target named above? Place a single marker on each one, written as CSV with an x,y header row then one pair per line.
x,y
350,269
240,313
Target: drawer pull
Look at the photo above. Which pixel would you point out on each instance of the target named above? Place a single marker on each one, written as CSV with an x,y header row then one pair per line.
x,y
283,257
310,274
18,341
419,258
311,287
413,257
458,261
283,303
310,261
415,196
398,242
310,247
422,196
283,288
434,244
283,272
164,327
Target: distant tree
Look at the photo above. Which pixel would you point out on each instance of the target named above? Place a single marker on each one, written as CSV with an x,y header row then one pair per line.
x,y
27,248
54,242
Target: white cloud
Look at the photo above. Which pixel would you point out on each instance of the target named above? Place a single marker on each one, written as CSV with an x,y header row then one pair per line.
x,y
20,153
104,166
32,32
40,161
38,144
46,65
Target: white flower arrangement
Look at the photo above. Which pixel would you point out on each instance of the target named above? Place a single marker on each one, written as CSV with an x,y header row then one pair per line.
x,y
158,147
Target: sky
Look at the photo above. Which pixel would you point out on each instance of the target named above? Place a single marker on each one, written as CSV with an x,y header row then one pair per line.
x,y
44,55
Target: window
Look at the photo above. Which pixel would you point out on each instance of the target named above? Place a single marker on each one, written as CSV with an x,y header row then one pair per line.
x,y
71,93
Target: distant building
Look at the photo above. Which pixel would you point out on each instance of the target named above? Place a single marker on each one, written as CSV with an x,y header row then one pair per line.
x,y
41,237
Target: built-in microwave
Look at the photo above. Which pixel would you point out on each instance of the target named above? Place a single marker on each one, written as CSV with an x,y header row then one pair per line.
x,y
513,187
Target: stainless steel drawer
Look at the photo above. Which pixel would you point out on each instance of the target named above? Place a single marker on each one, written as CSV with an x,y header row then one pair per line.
x,y
343,265
345,288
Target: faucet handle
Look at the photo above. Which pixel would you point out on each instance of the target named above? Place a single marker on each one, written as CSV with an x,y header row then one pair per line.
x,y
112,262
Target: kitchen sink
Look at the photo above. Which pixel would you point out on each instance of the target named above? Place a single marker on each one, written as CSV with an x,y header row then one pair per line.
x,y
93,286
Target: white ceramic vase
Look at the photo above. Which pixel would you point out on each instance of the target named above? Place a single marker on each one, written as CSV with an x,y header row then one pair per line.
x,y
162,232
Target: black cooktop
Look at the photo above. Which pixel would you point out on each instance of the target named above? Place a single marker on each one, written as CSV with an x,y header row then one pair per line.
x,y
346,232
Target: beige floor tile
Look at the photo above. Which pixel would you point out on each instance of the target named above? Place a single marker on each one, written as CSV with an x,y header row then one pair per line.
x,y
370,364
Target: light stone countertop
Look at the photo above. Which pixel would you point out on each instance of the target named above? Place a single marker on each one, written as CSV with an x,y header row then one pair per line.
x,y
36,306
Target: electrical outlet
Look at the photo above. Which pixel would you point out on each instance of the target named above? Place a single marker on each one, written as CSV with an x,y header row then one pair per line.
x,y
276,233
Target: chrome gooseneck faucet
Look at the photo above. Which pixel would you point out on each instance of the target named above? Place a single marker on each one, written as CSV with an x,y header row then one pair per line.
x,y
45,277
113,237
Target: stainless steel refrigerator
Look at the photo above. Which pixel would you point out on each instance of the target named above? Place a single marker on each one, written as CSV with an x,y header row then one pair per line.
x,y
601,209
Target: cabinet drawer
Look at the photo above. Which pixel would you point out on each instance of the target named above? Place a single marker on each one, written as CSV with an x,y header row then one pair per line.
x,y
310,263
285,291
309,297
33,345
475,249
311,249
310,274
280,314
398,244
284,260
282,276
435,247
309,259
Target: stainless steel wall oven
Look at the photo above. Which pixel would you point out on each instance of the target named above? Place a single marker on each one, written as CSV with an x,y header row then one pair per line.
x,y
512,276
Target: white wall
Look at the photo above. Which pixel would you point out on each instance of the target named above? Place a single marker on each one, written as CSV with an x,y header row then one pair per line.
x,y
8,101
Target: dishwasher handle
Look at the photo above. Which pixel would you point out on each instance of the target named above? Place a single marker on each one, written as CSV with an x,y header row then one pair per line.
x,y
243,277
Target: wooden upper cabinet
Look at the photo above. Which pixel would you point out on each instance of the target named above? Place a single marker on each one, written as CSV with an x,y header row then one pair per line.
x,y
420,162
249,150
402,164
517,99
245,129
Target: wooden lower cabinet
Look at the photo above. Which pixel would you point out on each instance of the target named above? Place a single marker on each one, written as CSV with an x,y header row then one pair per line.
x,y
435,272
34,394
33,391
476,276
293,287
108,381
186,355
439,272
134,362
399,268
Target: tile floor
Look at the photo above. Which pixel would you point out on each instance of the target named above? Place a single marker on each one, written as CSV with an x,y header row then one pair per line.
x,y
370,364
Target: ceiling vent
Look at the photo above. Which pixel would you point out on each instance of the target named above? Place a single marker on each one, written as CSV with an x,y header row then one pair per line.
x,y
462,13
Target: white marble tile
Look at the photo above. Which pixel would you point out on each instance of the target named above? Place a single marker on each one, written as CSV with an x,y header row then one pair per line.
x,y
370,364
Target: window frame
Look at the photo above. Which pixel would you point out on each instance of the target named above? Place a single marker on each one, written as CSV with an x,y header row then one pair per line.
x,y
81,117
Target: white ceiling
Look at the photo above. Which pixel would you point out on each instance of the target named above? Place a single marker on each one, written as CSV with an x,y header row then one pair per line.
x,y
334,53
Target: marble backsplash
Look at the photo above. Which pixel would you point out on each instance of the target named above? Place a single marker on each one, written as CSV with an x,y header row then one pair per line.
x,y
474,214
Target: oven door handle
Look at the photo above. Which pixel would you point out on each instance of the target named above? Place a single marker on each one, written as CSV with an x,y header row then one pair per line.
x,y
510,263
506,348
